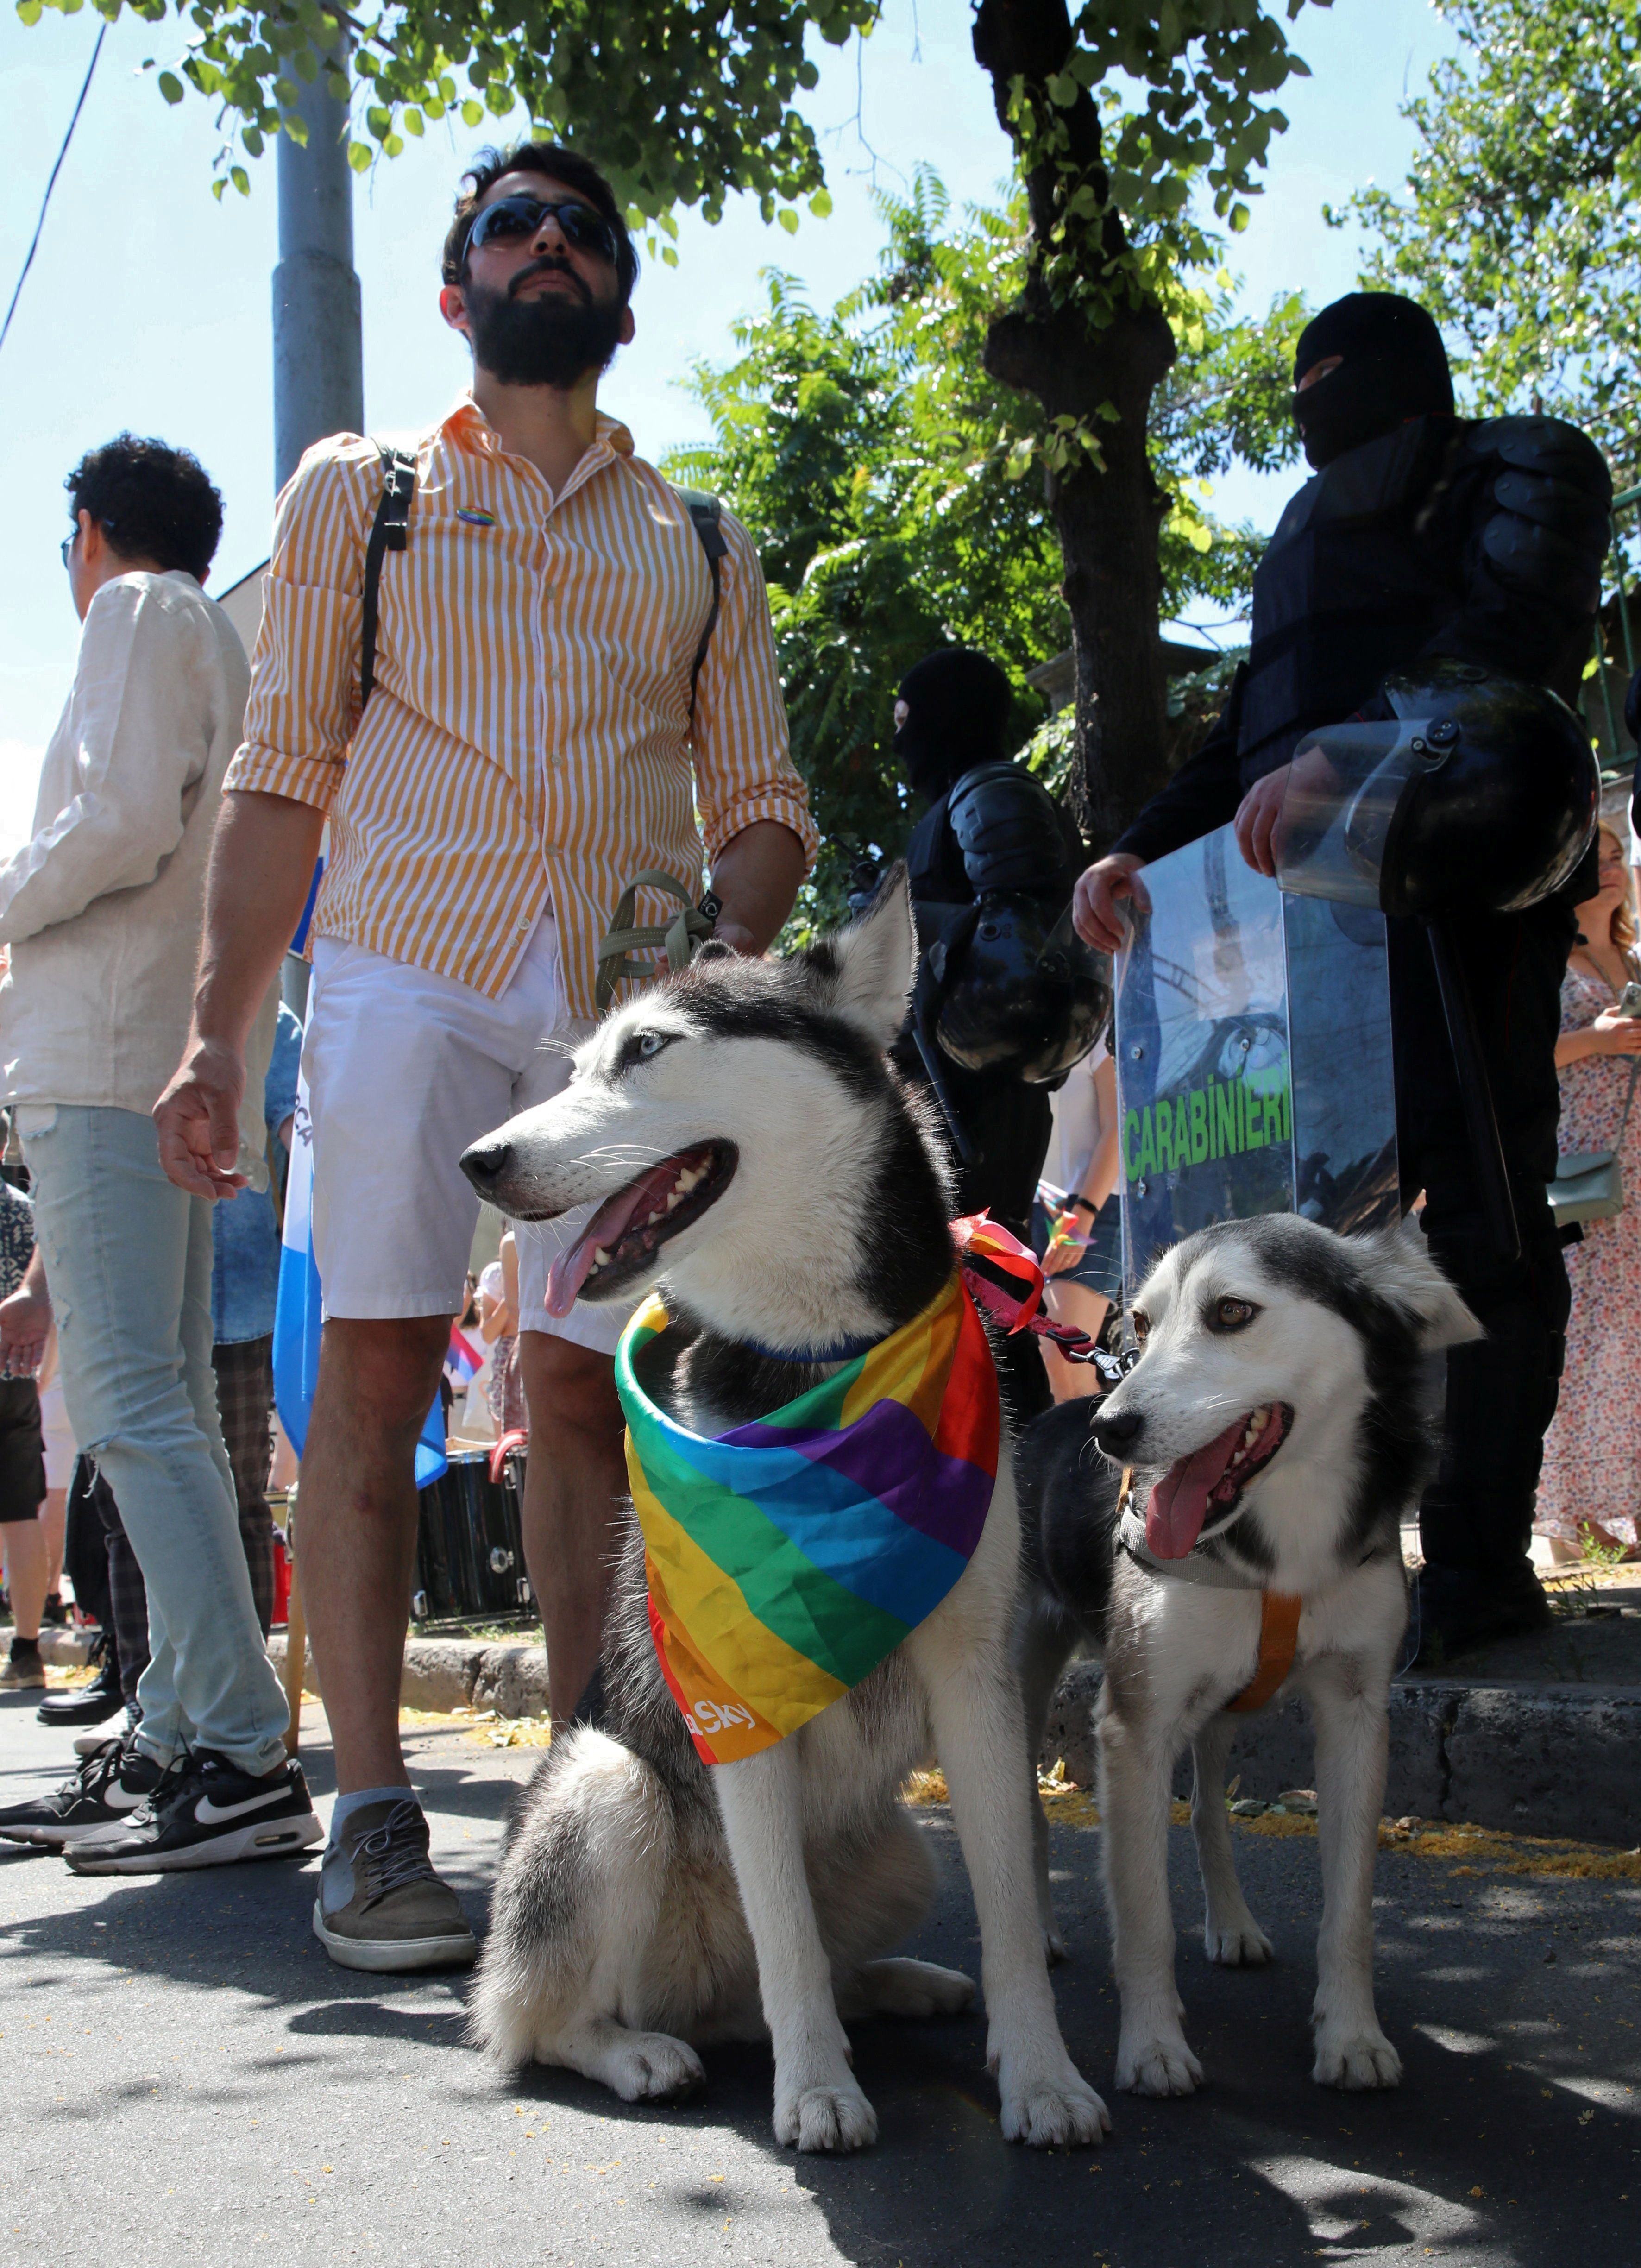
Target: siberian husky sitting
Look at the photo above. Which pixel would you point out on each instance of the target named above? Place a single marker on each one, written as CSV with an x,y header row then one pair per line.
x,y
756,1157
1256,1463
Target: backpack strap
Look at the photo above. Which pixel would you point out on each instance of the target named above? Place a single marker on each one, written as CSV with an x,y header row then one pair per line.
x,y
704,510
390,531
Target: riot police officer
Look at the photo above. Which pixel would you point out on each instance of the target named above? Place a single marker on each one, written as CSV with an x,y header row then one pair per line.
x,y
1425,537
991,865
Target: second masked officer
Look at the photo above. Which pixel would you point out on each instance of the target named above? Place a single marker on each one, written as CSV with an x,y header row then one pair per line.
x,y
1425,537
1003,1007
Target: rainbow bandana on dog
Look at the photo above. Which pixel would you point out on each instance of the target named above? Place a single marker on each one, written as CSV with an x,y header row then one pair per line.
x,y
785,1558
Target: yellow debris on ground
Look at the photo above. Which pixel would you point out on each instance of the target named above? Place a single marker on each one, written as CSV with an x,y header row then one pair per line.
x,y
1483,1850
1488,1850
483,1726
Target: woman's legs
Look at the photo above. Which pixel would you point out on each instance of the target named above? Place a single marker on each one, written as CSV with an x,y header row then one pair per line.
x,y
24,1543
52,1520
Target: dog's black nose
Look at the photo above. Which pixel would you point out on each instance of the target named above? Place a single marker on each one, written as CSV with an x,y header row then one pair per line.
x,y
485,1163
1117,1435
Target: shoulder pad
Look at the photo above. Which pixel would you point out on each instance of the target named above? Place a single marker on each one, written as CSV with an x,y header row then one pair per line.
x,y
1008,828
1546,446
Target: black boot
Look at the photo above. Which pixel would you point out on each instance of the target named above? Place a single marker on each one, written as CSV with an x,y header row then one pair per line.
x,y
87,1704
1460,1609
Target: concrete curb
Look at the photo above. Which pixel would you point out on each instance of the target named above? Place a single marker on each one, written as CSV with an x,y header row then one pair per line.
x,y
64,1649
455,1673
1533,1759
1563,1760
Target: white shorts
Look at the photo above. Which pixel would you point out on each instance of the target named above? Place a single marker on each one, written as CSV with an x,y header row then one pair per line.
x,y
404,1071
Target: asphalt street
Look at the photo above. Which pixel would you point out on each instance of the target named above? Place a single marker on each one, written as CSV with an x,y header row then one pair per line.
x,y
186,2079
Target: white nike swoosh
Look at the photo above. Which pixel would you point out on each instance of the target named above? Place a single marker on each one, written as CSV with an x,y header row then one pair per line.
x,y
211,1814
118,1797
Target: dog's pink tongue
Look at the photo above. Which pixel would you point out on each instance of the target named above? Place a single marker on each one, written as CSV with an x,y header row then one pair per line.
x,y
569,1270
1177,1505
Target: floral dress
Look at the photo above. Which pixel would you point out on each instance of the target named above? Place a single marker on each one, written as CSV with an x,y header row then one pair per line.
x,y
1592,1451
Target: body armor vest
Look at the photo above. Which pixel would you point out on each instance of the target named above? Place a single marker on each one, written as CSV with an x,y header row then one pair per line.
x,y
1345,592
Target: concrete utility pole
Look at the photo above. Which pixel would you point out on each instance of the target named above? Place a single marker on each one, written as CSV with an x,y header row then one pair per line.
x,y
319,379
319,369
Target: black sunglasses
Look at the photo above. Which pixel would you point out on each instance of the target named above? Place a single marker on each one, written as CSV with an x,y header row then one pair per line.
x,y
512,220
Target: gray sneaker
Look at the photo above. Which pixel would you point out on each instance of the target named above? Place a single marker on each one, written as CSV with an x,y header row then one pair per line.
x,y
380,1905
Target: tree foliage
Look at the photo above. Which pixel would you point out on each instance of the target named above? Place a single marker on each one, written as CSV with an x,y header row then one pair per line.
x,y
1520,223
894,488
680,102
1135,125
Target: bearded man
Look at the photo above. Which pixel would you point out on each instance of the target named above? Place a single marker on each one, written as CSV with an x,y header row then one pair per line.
x,y
562,674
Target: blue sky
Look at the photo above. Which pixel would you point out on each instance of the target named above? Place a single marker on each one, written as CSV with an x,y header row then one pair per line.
x,y
148,304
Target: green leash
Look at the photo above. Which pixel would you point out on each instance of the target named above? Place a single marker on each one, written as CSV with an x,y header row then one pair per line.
x,y
679,940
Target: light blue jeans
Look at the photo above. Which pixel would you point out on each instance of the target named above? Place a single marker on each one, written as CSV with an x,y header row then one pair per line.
x,y
128,1260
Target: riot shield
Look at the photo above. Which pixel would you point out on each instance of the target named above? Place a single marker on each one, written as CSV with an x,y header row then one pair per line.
x,y
1253,1056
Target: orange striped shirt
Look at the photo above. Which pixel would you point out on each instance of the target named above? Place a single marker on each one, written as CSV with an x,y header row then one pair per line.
x,y
528,741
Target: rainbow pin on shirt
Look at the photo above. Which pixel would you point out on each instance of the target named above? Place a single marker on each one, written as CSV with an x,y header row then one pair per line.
x,y
476,515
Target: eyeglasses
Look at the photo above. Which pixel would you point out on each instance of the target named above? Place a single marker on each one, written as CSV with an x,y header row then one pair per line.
x,y
514,220
68,540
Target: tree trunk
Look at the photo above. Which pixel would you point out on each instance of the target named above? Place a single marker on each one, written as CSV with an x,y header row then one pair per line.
x,y
1107,520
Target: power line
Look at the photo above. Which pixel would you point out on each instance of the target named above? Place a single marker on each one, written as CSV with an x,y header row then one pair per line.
x,y
46,200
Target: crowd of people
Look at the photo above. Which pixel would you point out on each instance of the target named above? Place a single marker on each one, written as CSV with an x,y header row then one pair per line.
x,y
509,668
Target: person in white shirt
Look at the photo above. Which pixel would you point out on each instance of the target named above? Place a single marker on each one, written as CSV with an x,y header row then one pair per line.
x,y
102,909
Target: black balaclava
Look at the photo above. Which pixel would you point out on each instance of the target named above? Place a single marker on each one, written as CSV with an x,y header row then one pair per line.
x,y
958,704
1394,368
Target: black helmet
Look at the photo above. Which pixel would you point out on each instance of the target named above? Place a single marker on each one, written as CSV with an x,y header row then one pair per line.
x,y
1019,995
1480,797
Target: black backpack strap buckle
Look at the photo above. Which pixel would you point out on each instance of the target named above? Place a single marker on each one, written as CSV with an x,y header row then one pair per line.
x,y
390,531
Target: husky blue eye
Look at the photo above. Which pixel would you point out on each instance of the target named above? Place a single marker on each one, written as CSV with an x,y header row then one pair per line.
x,y
651,1043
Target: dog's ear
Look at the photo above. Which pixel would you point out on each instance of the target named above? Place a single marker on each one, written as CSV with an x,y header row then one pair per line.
x,y
865,971
1407,1279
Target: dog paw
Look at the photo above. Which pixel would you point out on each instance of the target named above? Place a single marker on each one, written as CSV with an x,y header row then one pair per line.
x,y
652,2067
837,2117
1049,2112
912,1988
1356,2061
1241,1944
1158,2067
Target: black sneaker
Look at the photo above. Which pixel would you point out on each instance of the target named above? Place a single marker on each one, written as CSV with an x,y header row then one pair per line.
x,y
209,1815
87,1704
54,1612
107,1792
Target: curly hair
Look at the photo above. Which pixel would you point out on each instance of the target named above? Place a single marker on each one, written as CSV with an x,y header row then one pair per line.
x,y
151,501
555,164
